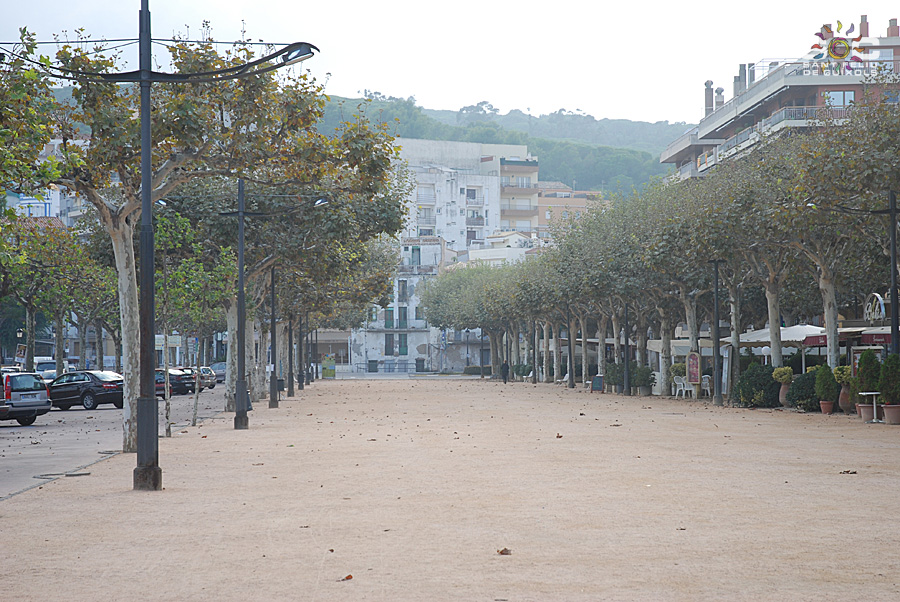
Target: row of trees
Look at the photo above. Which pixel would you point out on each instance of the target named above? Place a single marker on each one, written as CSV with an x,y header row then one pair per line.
x,y
791,224
262,128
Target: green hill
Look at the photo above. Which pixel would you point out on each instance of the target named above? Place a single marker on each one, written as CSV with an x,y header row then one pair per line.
x,y
568,145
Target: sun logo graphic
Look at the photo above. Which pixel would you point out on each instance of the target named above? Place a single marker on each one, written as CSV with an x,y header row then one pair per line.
x,y
838,48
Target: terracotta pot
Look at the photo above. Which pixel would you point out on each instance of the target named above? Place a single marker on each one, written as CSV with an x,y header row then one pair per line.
x,y
891,414
844,400
782,394
827,407
858,411
866,411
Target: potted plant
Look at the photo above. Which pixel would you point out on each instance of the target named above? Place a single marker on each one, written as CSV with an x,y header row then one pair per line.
x,y
842,374
783,375
644,379
826,388
615,376
890,388
869,375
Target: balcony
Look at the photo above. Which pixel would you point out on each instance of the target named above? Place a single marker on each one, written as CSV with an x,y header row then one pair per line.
x,y
518,188
478,201
426,221
518,210
421,270
475,221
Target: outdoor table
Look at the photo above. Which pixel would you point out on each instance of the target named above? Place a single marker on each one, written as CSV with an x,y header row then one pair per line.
x,y
874,395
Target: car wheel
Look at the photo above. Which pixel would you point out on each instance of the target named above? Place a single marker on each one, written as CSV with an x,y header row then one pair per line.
x,y
119,404
211,387
64,406
89,401
201,389
26,421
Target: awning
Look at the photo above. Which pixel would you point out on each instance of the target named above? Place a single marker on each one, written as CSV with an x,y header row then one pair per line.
x,y
821,340
877,336
791,336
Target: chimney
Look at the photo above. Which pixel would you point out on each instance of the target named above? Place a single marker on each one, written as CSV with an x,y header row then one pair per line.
x,y
708,98
742,73
737,85
751,75
720,98
864,26
893,30
827,31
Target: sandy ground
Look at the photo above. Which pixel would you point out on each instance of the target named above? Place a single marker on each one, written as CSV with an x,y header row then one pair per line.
x,y
411,487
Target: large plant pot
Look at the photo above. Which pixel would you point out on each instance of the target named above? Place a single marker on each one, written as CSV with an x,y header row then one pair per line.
x,y
865,411
643,391
827,407
844,400
891,414
620,389
782,394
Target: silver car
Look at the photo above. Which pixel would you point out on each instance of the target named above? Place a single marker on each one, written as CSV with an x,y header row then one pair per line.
x,y
26,395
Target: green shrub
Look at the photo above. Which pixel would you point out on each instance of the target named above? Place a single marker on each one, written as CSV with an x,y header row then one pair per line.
x,y
842,374
615,375
678,370
827,389
643,377
783,375
890,380
802,393
477,370
869,372
757,388
795,361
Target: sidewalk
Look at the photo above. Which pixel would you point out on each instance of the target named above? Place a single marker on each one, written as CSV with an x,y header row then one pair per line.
x,y
412,487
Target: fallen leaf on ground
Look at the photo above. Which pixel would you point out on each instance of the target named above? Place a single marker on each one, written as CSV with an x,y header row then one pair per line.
x,y
504,552
848,472
347,578
615,425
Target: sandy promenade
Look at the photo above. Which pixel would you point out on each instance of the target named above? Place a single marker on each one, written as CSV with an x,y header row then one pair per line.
x,y
412,486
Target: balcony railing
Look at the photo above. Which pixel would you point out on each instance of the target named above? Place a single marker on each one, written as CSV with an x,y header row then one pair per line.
x,y
426,221
477,201
417,269
475,221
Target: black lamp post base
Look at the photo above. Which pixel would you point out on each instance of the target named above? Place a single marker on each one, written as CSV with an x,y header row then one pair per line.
x,y
242,423
147,478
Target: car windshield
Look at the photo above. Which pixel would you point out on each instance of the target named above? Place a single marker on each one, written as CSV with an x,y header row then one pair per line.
x,y
107,376
26,382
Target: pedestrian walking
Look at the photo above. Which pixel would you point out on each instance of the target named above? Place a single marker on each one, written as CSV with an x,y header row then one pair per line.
x,y
504,371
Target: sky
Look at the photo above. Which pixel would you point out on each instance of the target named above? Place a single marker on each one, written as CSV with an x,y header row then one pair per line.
x,y
644,60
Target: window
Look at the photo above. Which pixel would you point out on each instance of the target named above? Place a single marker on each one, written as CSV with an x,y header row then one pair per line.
x,y
389,344
402,317
416,257
839,98
404,349
462,191
523,181
471,234
389,318
402,295
547,214
438,210
424,232
419,314
471,193
462,212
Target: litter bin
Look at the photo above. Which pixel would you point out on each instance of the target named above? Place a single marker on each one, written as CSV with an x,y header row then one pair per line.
x,y
280,384
373,365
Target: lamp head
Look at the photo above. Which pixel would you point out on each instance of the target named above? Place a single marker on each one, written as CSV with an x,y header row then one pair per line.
x,y
297,52
320,202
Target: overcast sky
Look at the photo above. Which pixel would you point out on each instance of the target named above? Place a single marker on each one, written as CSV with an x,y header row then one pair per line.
x,y
644,61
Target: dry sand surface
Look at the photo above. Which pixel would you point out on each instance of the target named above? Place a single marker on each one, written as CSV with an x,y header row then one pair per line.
x,y
412,486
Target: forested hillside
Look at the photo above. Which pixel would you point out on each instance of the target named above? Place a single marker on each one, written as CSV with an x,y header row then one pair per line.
x,y
558,140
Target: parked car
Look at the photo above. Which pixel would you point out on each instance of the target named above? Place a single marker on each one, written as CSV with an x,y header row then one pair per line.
x,y
190,377
26,397
219,370
48,376
89,388
207,378
178,382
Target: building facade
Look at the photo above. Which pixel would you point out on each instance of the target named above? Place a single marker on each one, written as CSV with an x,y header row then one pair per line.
x,y
773,95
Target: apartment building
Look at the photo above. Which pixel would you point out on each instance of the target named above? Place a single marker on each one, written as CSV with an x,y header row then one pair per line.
x,y
775,94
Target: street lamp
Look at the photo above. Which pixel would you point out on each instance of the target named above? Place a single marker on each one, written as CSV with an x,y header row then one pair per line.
x,y
467,347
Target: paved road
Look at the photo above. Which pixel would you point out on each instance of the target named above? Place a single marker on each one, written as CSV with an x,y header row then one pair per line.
x,y
68,442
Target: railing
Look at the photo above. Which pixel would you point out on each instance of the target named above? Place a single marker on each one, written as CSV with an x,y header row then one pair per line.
x,y
479,200
426,197
417,269
521,185
740,138
402,325
516,207
475,221
426,221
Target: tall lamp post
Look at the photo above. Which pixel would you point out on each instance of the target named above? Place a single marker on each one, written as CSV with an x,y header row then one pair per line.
x,y
627,375
717,353
147,474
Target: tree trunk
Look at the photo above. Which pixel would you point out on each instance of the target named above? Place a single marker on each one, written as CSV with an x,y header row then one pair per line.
x,y
642,339
121,234
167,393
585,362
829,305
546,346
774,323
735,303
231,354
601,344
690,317
557,353
665,333
82,344
101,352
59,344
617,342
516,344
